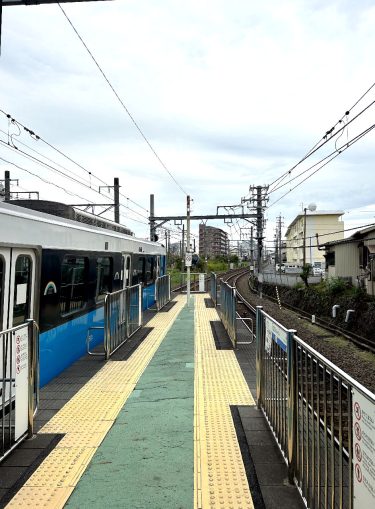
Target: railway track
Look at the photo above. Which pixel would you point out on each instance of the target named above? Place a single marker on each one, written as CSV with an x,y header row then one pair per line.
x,y
360,341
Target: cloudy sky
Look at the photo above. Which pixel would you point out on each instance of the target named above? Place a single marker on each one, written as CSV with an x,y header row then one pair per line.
x,y
229,94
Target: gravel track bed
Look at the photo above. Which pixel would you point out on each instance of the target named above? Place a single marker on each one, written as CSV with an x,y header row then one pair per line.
x,y
357,363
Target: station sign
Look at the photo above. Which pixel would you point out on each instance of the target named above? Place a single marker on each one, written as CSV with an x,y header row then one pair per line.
x,y
363,433
22,365
276,333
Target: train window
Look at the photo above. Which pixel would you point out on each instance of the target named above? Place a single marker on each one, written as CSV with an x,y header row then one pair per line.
x,y
150,270
22,287
138,270
73,284
104,277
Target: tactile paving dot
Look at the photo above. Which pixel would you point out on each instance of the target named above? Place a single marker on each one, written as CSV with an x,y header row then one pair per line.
x,y
220,481
87,418
40,498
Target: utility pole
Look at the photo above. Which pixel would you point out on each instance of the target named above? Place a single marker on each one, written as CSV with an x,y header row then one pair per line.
x,y
188,264
304,239
259,210
183,244
166,246
116,187
251,247
279,220
152,221
7,185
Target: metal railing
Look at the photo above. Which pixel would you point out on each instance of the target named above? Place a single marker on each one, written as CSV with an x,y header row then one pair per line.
x,y
323,420
198,282
122,318
228,310
213,288
162,291
19,384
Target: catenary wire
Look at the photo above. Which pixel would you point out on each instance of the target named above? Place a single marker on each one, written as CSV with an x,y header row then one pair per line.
x,y
321,143
40,138
341,149
123,104
48,166
57,186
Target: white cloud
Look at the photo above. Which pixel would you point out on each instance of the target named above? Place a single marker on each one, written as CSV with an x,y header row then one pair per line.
x,y
229,94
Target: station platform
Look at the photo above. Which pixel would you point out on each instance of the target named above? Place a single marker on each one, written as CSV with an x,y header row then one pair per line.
x,y
169,422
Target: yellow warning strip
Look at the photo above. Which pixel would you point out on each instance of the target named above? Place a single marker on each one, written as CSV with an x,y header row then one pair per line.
x,y
219,474
87,418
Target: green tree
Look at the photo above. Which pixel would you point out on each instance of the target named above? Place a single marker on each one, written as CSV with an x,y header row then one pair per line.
x,y
306,270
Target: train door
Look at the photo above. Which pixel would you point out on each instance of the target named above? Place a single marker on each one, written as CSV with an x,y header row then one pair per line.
x,y
17,294
126,270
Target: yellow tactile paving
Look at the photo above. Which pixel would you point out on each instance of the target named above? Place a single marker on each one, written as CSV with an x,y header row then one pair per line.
x,y
220,479
86,419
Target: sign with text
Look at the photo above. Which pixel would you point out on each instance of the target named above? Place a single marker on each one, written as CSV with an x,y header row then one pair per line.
x,y
188,259
276,333
363,451
21,349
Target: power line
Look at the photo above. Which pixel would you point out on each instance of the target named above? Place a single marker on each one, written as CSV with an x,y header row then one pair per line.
x,y
341,241
48,166
337,153
122,103
287,241
37,137
60,187
320,144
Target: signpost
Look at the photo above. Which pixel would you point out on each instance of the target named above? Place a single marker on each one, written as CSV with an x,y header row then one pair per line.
x,y
363,433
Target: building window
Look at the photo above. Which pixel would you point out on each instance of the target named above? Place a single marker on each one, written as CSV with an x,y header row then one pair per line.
x,y
104,277
73,284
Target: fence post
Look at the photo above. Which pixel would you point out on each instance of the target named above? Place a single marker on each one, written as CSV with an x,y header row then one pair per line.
x,y
157,293
140,305
259,355
107,332
291,404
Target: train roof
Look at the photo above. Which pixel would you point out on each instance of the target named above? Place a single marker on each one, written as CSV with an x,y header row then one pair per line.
x,y
71,212
22,226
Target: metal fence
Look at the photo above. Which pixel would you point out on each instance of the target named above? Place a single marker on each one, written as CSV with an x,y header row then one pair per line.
x,y
19,384
122,318
323,420
198,282
228,310
162,291
213,288
288,279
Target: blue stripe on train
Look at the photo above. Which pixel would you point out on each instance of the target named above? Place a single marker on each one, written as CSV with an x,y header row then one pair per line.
x,y
63,345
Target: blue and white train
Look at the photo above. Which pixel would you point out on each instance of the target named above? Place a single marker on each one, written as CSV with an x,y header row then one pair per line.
x,y
58,270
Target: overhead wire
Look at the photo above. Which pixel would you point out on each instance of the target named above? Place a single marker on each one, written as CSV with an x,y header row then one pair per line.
x,y
37,137
321,143
61,173
122,103
336,154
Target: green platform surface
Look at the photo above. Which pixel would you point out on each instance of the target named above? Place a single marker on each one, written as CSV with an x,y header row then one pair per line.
x,y
147,458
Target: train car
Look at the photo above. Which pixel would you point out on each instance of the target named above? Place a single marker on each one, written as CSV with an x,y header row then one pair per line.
x,y
58,271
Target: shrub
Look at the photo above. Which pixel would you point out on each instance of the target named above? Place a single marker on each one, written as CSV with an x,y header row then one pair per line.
x,y
336,285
